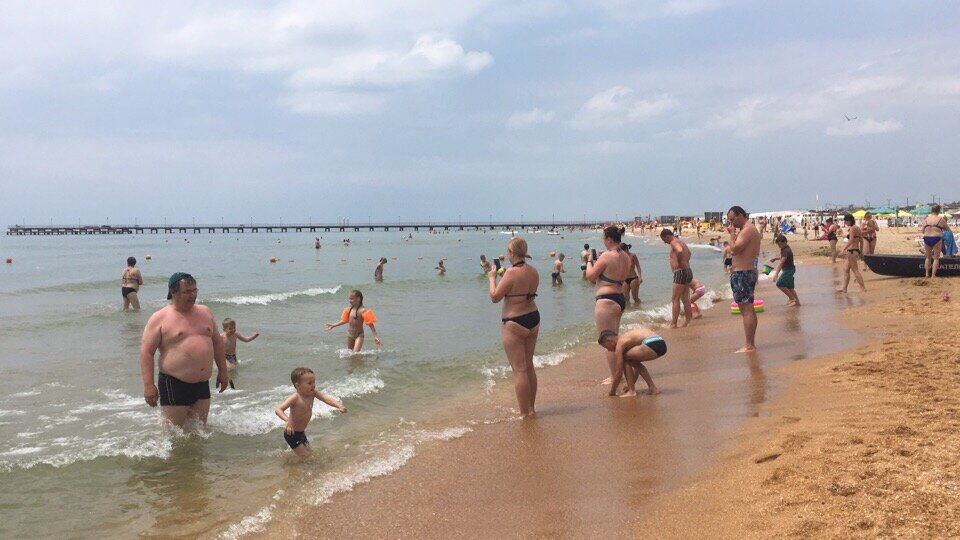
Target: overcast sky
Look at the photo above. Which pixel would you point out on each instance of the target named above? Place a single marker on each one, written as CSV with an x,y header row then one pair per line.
x,y
321,110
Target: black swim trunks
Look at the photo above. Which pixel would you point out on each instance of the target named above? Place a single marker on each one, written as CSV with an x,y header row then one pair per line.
x,y
126,290
295,440
683,276
174,392
232,358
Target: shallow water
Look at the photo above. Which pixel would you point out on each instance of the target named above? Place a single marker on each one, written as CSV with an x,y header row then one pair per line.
x,y
77,440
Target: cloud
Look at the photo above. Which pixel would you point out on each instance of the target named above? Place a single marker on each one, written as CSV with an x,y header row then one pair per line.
x,y
759,114
867,85
616,107
428,59
533,117
864,127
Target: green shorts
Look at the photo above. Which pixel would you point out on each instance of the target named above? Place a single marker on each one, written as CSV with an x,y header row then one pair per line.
x,y
786,278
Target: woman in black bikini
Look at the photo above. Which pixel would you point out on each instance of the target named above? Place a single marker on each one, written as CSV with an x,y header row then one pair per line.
x,y
933,227
609,272
520,321
130,283
631,285
853,251
870,229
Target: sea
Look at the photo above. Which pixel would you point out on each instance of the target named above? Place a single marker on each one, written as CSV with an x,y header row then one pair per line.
x,y
82,455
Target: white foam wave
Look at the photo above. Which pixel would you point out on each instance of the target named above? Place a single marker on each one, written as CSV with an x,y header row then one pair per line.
x,y
69,450
252,414
28,393
551,359
704,246
264,299
347,353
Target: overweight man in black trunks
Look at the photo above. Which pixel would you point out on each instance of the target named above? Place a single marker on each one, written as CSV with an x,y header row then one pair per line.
x,y
682,276
189,344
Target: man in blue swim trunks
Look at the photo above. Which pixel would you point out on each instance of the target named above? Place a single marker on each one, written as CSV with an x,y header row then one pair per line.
x,y
631,349
745,250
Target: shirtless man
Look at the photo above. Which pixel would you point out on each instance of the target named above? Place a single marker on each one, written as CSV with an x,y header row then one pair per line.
x,y
744,249
631,349
189,344
682,276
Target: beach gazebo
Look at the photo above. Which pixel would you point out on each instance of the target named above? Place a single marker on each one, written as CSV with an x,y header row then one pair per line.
x,y
883,211
920,211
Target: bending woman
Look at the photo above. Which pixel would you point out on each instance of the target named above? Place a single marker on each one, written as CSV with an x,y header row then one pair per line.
x,y
356,316
520,321
609,271
933,228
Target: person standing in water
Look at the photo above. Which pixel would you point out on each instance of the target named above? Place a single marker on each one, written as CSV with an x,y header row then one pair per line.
x,y
485,265
378,272
745,250
558,269
189,344
832,229
355,315
682,276
584,259
440,268
520,321
632,284
130,282
853,252
608,272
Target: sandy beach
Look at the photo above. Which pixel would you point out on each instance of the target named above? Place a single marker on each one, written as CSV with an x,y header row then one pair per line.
x,y
841,425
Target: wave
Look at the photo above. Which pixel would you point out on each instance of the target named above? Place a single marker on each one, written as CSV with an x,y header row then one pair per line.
x,y
252,414
323,490
264,299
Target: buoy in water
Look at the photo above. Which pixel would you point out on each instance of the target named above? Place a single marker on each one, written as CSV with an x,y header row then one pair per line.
x,y
273,259
149,257
553,253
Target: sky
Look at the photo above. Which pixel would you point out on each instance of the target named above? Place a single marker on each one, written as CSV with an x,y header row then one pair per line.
x,y
122,111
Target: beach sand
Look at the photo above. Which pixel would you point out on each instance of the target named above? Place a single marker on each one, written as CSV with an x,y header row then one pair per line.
x,y
834,429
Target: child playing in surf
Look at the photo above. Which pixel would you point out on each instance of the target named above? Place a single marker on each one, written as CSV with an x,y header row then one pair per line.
x,y
727,257
300,407
558,269
230,337
785,271
355,315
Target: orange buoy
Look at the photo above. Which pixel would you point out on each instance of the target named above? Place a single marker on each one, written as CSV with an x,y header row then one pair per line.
x,y
149,257
273,259
553,253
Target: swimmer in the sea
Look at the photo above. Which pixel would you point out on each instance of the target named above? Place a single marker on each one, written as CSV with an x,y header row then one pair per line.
x,y
558,269
378,273
355,315
230,337
631,287
130,283
630,350
440,268
485,264
297,410
584,258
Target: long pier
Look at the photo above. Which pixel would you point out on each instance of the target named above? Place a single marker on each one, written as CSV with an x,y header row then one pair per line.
x,y
60,230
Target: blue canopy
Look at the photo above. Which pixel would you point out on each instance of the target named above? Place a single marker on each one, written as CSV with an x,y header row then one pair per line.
x,y
921,211
883,210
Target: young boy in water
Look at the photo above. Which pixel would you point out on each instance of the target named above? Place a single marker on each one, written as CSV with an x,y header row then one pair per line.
x,y
558,269
230,337
727,257
300,407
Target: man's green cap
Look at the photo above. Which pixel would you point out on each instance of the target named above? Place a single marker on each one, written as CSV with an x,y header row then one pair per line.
x,y
174,279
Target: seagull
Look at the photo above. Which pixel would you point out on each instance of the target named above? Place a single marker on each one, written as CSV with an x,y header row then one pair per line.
x,y
849,119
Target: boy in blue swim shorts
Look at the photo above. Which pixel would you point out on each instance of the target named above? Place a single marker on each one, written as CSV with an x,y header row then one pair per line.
x,y
785,271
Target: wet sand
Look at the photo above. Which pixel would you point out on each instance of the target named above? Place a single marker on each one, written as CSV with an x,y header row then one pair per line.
x,y
593,465
863,444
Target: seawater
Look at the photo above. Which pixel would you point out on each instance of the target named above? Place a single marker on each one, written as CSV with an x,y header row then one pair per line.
x,y
82,455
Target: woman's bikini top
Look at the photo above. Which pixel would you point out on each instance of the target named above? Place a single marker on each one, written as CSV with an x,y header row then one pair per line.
x,y
531,295
126,277
603,277
927,225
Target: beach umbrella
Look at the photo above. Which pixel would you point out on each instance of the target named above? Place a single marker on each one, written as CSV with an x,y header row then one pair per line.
x,y
883,210
859,214
903,213
921,211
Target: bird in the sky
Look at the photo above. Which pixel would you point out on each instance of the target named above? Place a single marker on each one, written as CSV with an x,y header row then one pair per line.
x,y
849,119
